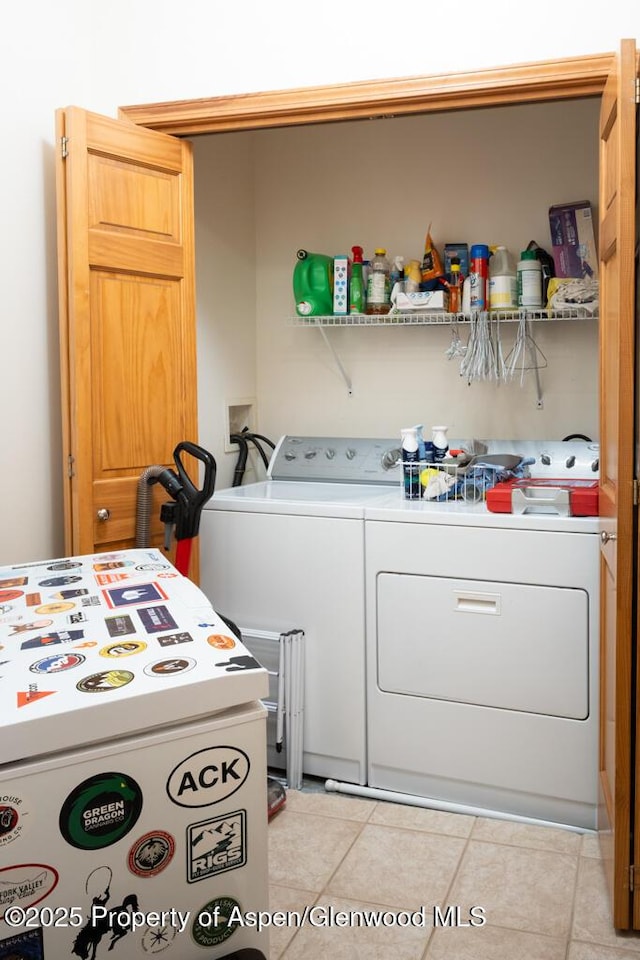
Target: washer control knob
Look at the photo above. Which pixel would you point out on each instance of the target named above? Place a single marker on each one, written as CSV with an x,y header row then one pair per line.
x,y
595,465
310,454
290,455
390,458
350,453
329,453
546,459
570,462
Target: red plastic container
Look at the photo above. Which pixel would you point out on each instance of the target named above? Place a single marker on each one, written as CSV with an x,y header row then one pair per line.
x,y
569,498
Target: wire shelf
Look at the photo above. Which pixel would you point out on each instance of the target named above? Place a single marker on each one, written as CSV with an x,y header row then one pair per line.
x,y
418,318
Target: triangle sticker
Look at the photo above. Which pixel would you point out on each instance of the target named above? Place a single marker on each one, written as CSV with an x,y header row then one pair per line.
x,y
31,697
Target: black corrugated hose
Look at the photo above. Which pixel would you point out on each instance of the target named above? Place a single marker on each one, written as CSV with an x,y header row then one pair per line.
x,y
243,440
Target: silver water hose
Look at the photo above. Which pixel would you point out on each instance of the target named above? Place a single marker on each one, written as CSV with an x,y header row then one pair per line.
x,y
143,507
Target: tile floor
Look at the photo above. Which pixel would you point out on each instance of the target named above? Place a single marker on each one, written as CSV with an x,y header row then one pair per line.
x,y
542,889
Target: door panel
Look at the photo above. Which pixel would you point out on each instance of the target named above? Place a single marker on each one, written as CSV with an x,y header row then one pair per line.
x,y
617,239
127,324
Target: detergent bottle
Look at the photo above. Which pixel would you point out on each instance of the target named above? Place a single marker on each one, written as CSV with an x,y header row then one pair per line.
x,y
313,284
357,294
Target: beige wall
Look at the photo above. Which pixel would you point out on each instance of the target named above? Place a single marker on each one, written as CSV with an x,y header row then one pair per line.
x,y
479,176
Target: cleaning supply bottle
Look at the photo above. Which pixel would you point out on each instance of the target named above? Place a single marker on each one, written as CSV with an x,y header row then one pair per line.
x,y
503,294
379,287
357,295
455,286
478,272
313,284
529,281
410,463
412,276
440,442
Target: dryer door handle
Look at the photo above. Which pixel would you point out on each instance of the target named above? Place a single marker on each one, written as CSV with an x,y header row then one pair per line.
x,y
477,603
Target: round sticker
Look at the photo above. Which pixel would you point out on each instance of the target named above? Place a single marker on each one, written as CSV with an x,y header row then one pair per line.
x,y
105,681
56,664
65,565
58,581
100,811
152,566
151,853
125,649
221,641
167,668
157,939
11,818
212,923
59,607
6,595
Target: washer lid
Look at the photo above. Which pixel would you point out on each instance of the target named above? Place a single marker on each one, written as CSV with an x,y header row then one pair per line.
x,y
298,498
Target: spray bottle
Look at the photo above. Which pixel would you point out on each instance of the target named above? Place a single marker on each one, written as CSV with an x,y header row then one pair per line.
x,y
410,463
357,296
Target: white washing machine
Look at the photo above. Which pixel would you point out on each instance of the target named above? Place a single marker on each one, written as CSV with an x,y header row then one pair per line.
x,y
452,653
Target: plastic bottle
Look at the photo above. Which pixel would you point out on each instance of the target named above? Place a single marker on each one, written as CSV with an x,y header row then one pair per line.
x,y
357,297
455,286
410,463
440,442
412,276
478,272
529,281
503,291
378,286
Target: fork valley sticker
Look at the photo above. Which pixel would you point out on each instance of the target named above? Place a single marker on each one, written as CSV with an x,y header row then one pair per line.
x,y
25,884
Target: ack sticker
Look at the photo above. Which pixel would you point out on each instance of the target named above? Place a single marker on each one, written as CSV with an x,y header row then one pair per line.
x,y
100,811
217,845
208,776
151,853
25,884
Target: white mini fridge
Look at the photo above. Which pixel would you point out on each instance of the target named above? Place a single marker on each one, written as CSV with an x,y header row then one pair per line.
x,y
133,801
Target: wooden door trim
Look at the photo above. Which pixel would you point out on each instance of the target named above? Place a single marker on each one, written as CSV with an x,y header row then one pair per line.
x,y
523,83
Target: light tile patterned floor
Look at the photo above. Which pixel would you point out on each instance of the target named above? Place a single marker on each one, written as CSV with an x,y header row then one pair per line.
x,y
542,889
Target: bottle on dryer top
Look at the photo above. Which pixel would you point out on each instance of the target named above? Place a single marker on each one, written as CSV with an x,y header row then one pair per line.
x,y
410,463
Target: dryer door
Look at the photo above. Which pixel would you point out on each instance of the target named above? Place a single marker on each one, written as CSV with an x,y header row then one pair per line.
x,y
505,645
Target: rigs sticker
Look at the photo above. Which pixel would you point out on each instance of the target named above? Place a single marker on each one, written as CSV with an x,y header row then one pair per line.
x,y
100,811
216,845
208,776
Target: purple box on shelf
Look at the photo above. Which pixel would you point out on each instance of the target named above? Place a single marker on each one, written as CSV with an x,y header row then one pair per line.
x,y
572,239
